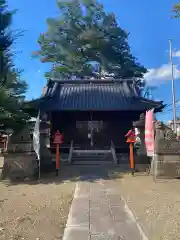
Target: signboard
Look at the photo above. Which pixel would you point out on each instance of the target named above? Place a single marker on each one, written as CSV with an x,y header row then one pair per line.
x,y
131,137
58,138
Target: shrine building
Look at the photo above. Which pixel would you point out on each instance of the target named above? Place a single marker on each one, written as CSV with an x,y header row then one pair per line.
x,y
93,116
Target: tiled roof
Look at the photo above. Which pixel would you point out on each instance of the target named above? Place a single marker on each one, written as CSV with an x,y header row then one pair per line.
x,y
122,96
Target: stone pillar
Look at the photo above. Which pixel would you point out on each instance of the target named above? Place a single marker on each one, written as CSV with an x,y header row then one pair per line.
x,y
141,160
45,154
162,132
166,162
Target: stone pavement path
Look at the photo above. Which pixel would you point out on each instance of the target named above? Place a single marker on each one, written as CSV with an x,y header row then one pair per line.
x,y
98,213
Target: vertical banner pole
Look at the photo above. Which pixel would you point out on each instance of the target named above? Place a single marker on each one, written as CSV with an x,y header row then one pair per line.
x,y
155,166
131,158
131,139
37,144
57,159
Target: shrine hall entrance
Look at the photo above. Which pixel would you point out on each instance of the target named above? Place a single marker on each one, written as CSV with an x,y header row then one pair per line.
x,y
92,130
85,129
91,133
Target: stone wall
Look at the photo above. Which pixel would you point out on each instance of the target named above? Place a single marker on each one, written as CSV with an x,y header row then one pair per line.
x,y
21,147
166,162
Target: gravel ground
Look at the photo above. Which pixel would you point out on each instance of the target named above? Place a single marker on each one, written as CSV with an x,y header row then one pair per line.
x,y
156,205
34,211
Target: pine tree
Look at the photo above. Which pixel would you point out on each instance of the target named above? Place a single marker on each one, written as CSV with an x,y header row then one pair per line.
x,y
176,10
12,88
84,34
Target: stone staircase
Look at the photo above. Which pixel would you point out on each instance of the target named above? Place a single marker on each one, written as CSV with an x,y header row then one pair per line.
x,y
92,156
95,157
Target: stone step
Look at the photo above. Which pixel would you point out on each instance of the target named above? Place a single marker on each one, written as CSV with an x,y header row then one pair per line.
x,y
91,155
86,162
91,151
91,159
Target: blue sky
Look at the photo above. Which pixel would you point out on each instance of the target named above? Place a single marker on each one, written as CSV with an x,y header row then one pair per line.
x,y
148,22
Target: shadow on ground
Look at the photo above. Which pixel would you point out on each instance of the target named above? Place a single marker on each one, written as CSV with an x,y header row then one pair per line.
x,y
74,173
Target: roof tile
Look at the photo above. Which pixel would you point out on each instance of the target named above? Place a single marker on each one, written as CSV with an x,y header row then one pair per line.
x,y
95,96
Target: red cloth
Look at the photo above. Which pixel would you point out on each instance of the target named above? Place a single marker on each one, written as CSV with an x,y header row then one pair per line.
x,y
149,133
130,134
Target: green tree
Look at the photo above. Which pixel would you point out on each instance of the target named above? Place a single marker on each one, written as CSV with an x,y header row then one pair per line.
x,y
82,35
12,88
176,10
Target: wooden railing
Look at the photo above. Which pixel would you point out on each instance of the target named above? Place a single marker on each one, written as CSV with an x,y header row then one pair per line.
x,y
70,152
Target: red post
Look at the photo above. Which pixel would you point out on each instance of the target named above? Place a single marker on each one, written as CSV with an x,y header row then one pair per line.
x,y
58,139
131,158
131,139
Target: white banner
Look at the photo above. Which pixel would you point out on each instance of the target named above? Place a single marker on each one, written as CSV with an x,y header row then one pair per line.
x,y
36,137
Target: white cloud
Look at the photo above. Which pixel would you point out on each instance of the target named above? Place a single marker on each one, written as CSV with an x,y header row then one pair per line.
x,y
157,76
176,53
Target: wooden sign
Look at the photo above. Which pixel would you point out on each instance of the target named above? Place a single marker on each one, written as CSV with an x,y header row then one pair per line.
x,y
130,134
58,138
131,137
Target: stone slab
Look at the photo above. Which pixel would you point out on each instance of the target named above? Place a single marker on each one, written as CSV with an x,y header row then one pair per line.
x,y
119,214
79,219
98,212
105,237
102,225
72,233
115,200
127,231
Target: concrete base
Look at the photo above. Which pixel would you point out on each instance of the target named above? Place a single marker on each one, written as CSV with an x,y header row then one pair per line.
x,y
167,166
19,166
168,170
142,167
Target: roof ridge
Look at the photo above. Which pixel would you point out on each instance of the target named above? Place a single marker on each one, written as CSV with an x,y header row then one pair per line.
x,y
98,81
